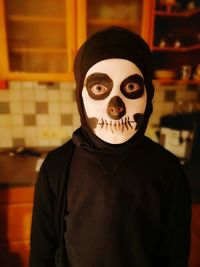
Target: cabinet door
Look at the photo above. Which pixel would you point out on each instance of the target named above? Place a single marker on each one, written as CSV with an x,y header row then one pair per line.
x,y
131,14
15,224
39,40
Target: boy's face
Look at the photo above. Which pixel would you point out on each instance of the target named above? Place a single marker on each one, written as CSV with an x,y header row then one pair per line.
x,y
114,98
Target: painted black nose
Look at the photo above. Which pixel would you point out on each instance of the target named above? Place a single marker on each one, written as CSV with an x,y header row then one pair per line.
x,y
116,108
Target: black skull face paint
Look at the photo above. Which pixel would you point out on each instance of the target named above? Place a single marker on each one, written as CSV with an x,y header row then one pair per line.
x,y
116,108
99,85
133,86
114,98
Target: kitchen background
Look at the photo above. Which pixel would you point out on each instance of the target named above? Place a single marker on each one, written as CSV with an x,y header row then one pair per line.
x,y
38,42
45,115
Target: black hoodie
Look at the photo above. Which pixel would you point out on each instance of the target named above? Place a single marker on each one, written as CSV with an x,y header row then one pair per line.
x,y
103,205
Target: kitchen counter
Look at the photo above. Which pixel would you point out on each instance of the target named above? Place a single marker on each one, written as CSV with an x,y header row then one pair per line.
x,y
19,170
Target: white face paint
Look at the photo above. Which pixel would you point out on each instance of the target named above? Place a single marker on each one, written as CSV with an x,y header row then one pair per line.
x,y
114,98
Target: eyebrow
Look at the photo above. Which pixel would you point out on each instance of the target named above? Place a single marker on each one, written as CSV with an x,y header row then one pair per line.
x,y
98,77
135,78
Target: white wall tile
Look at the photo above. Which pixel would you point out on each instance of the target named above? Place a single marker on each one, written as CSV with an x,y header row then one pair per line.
x,y
28,94
27,85
28,107
16,107
30,131
66,95
17,132
66,108
67,86
76,120
55,142
15,95
6,142
42,132
43,142
5,120
5,132
40,85
41,95
4,95
54,120
67,132
54,108
53,95
17,120
42,119
15,85
75,108
31,141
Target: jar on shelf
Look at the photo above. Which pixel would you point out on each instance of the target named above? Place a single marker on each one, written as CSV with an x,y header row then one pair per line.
x,y
185,72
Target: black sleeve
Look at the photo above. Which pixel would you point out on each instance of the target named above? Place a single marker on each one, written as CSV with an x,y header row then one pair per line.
x,y
175,245
43,242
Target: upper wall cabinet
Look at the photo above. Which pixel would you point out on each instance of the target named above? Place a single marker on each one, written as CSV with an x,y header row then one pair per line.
x,y
131,14
37,39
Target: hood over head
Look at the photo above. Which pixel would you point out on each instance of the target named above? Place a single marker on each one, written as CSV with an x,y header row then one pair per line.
x,y
112,43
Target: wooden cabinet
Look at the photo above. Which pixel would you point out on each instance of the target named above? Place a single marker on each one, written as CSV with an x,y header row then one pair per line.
x,y
15,224
175,41
37,39
95,15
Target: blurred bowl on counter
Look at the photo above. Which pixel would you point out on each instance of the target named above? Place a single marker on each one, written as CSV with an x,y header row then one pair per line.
x,y
165,74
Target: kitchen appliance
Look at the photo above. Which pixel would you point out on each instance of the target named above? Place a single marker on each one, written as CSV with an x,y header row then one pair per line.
x,y
180,134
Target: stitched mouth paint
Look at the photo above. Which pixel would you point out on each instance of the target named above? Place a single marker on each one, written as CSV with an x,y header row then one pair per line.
x,y
121,125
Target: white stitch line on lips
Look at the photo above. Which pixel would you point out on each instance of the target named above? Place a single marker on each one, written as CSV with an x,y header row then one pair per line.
x,y
119,125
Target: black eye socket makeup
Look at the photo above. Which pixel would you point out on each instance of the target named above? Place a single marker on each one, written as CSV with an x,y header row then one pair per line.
x,y
98,85
133,86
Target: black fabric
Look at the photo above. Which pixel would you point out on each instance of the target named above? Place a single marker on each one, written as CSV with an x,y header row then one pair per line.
x,y
86,139
152,221
103,205
47,240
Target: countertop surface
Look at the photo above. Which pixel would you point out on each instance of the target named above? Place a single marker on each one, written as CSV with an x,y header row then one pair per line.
x,y
19,169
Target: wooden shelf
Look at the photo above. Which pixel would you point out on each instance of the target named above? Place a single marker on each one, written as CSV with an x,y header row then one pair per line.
x,y
175,81
38,50
43,77
178,49
178,14
36,19
105,22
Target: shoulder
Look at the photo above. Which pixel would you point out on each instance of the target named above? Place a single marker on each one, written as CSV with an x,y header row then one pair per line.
x,y
165,165
161,162
58,155
155,151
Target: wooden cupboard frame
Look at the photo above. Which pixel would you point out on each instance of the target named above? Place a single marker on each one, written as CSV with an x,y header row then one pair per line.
x,y
6,73
76,34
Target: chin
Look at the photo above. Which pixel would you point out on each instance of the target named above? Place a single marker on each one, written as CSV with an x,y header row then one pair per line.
x,y
114,137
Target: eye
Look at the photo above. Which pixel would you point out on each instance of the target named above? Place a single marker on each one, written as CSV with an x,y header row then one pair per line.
x,y
98,85
131,87
98,89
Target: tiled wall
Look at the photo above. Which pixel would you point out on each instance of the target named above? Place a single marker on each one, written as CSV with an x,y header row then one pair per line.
x,y
45,115
37,115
